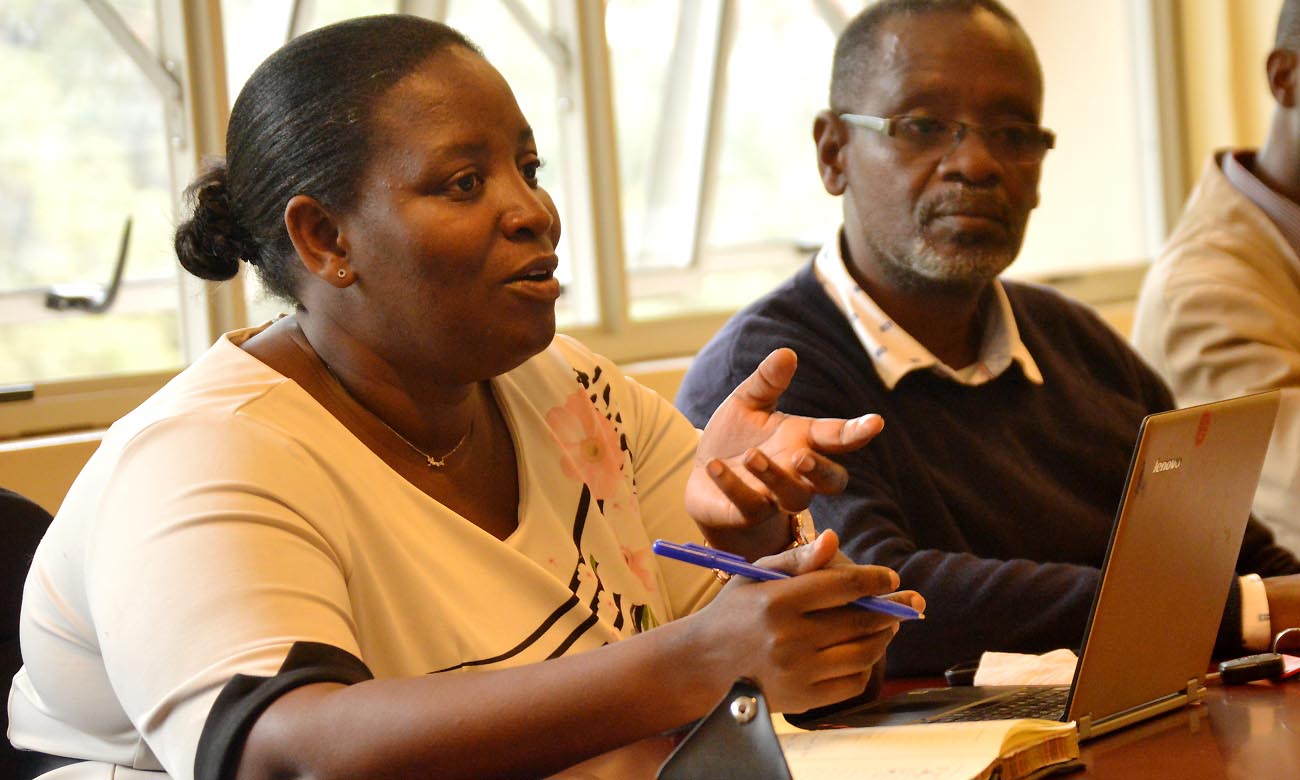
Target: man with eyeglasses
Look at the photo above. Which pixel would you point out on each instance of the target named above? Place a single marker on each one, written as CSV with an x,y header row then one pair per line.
x,y
1010,410
1219,312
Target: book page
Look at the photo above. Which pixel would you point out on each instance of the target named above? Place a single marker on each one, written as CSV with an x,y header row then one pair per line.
x,y
951,751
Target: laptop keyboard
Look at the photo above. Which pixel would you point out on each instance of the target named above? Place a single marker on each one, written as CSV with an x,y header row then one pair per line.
x,y
1048,702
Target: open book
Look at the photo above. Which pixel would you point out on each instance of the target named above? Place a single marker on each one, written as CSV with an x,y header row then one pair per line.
x,y
1002,749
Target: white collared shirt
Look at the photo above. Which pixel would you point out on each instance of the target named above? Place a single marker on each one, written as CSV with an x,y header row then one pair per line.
x,y
895,353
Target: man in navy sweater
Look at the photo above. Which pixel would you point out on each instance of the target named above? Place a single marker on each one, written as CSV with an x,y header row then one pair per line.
x,y
1010,410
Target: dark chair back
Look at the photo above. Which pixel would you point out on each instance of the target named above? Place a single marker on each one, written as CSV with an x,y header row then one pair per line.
x,y
22,524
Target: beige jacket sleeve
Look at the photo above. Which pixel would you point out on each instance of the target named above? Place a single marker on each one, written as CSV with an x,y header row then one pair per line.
x,y
1219,316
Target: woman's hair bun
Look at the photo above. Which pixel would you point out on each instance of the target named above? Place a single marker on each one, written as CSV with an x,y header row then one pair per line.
x,y
211,242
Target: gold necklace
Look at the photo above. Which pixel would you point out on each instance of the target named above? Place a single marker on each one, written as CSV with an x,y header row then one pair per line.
x,y
434,463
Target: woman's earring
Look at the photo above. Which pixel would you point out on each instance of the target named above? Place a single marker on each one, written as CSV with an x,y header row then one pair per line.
x,y
343,273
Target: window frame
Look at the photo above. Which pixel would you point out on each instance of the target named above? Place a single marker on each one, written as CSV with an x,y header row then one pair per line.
x,y
191,51
192,47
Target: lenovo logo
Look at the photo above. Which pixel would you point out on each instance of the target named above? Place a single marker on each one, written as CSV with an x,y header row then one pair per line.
x,y
1167,465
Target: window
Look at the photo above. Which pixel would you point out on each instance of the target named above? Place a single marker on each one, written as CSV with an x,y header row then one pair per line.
x,y
516,36
1097,209
85,175
676,135
727,91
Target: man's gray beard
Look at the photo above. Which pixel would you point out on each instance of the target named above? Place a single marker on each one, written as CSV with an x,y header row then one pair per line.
x,y
922,268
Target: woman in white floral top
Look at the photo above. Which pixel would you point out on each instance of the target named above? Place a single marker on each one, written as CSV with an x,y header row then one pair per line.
x,y
405,531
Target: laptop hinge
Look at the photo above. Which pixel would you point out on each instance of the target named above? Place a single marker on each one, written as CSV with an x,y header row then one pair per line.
x,y
1089,728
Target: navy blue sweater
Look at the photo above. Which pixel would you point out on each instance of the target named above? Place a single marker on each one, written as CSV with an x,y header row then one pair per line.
x,y
995,502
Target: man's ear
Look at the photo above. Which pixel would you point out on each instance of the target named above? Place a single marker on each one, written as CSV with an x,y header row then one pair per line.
x,y
317,237
1281,68
830,133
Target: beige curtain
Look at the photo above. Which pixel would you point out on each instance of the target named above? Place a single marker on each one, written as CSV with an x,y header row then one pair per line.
x,y
1223,46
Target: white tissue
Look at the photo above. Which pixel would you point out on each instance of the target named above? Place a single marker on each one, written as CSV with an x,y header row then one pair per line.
x,y
1052,668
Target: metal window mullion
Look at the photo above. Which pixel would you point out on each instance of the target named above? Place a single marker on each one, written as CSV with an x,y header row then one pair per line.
x,y
1161,140
194,115
688,114
156,71
551,46
833,14
590,158
192,35
300,15
711,157
429,9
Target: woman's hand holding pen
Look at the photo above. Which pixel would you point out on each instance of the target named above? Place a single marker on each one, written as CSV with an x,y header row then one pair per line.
x,y
755,466
799,638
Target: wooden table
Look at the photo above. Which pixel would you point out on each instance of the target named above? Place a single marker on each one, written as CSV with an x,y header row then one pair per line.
x,y
1241,732
1245,732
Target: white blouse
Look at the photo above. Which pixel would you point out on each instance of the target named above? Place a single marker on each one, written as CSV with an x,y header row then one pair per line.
x,y
231,518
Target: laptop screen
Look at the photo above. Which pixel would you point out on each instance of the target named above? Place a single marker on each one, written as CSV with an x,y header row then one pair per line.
x,y
1172,555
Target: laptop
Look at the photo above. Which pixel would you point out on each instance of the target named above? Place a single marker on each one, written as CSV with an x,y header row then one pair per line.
x,y
1165,579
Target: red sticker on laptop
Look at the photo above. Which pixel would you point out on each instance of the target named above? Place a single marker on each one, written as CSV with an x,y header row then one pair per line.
x,y
1202,428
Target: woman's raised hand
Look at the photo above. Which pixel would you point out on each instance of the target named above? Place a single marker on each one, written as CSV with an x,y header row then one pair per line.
x,y
755,466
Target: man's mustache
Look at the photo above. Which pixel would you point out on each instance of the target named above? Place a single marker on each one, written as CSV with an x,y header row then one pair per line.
x,y
966,204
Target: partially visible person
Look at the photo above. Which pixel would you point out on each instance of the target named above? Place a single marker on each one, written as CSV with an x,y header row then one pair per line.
x,y
1011,410
405,531
1219,311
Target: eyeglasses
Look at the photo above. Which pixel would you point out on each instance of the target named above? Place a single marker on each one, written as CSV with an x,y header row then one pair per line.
x,y
1014,142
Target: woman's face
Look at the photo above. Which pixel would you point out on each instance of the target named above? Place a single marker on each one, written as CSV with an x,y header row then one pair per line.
x,y
452,239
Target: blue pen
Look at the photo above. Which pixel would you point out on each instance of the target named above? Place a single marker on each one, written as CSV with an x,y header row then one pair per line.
x,y
735,564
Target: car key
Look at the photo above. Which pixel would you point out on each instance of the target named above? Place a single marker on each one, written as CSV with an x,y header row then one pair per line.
x,y
1264,666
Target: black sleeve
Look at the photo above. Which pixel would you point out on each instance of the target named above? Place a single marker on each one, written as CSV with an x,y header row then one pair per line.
x,y
1228,643
1260,555
245,698
707,383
